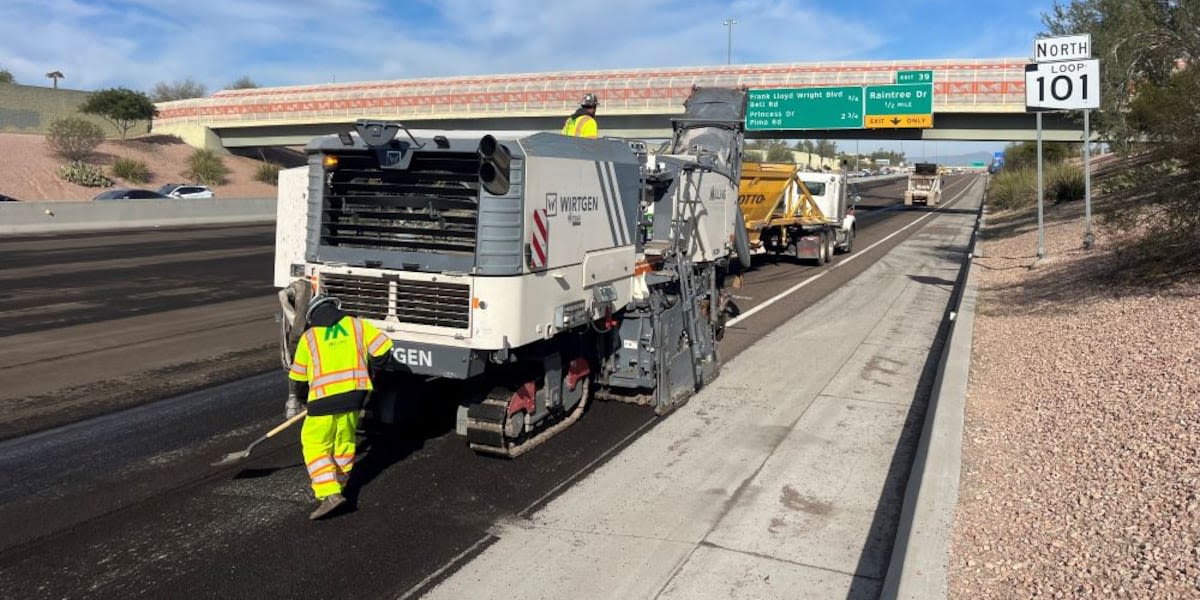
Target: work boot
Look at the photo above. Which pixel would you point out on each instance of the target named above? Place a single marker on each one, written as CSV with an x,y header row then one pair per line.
x,y
327,506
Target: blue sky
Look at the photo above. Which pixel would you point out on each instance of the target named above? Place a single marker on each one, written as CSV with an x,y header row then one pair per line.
x,y
137,43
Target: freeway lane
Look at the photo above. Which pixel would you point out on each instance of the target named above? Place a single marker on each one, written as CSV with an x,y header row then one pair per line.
x,y
95,322
53,281
126,505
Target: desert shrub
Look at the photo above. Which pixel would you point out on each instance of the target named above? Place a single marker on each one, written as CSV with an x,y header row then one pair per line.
x,y
84,174
74,138
1064,182
206,167
267,173
1013,188
1016,188
131,170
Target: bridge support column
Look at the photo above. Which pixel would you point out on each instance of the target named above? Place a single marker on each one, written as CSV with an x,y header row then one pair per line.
x,y
194,135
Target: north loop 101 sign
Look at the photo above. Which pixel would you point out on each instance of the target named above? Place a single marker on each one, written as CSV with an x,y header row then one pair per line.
x,y
1065,85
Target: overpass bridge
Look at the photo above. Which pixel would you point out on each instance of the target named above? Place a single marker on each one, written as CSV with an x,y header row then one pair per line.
x,y
974,99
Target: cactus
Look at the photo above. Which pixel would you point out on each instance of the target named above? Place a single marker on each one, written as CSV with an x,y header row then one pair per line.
x,y
84,174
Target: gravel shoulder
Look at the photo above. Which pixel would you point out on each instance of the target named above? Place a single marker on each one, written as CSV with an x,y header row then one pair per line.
x,y
1081,450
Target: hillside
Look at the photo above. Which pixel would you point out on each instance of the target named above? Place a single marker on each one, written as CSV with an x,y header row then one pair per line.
x,y
30,171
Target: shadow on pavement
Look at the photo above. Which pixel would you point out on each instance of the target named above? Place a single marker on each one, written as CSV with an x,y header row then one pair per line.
x,y
881,537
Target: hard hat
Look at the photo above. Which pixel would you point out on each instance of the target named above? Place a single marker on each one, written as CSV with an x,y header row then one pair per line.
x,y
319,301
589,101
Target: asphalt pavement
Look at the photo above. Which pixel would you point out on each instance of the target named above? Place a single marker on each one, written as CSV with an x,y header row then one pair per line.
x,y
97,322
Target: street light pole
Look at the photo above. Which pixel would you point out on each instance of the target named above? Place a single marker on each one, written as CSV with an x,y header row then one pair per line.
x,y
729,23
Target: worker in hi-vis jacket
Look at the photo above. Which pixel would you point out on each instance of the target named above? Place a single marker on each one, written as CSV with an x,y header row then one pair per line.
x,y
331,374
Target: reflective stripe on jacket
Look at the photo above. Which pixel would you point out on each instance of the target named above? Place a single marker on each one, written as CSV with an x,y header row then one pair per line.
x,y
333,360
581,126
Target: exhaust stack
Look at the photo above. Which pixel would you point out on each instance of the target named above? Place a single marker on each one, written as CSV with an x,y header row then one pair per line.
x,y
494,173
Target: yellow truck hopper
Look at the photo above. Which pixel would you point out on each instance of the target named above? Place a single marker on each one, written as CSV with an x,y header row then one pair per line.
x,y
773,195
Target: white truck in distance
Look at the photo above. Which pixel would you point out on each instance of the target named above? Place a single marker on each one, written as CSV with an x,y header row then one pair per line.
x,y
924,186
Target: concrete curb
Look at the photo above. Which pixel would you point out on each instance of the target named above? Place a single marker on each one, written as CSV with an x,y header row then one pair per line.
x,y
60,217
919,565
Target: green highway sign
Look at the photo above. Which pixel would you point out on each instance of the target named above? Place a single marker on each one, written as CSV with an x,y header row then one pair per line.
x,y
906,105
805,108
904,98
978,164
914,76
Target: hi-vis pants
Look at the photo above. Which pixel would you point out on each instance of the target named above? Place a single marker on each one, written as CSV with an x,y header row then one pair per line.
x,y
328,443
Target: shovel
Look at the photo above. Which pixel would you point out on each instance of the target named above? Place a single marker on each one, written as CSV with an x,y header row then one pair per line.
x,y
233,457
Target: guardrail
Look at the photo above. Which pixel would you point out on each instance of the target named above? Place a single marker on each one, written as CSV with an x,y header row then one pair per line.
x,y
55,217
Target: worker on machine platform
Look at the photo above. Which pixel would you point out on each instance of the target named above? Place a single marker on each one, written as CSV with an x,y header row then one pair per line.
x,y
583,122
331,374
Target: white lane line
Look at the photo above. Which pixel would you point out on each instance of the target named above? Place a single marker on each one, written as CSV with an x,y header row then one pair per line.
x,y
794,288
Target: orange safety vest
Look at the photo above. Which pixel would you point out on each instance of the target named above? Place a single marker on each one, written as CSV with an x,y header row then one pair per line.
x,y
581,126
333,360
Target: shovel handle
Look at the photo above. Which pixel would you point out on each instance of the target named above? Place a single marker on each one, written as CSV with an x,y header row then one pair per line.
x,y
286,424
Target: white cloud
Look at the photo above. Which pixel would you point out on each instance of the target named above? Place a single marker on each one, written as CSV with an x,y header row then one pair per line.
x,y
137,43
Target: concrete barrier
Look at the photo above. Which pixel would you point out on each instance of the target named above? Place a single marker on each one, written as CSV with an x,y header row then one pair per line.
x,y
53,217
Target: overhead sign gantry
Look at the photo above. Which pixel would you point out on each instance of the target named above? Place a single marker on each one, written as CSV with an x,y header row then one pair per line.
x,y
906,104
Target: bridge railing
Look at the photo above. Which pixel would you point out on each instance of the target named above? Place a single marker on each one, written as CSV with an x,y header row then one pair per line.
x,y
959,86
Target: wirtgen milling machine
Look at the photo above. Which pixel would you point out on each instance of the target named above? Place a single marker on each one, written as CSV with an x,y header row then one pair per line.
x,y
539,270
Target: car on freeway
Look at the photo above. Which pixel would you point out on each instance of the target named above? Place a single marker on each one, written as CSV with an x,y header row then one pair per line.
x,y
186,190
125,194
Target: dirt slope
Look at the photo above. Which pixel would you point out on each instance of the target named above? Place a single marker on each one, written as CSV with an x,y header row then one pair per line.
x,y
29,169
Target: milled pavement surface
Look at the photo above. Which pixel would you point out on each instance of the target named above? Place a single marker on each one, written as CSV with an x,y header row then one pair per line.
x,y
783,479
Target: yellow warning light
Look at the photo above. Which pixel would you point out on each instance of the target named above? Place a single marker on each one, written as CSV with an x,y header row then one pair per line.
x,y
330,161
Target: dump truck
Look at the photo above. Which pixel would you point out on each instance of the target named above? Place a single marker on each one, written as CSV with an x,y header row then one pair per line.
x,y
522,268
790,212
924,185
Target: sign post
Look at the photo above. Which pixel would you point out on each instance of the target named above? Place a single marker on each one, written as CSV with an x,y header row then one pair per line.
x,y
1041,249
1064,77
1088,239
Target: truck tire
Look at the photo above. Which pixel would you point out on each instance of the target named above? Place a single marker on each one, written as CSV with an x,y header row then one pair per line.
x,y
823,252
741,240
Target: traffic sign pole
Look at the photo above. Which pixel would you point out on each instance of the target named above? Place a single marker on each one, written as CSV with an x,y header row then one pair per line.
x,y
1041,249
1064,76
1088,239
